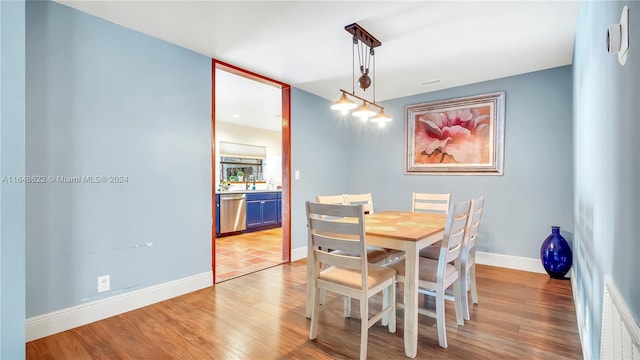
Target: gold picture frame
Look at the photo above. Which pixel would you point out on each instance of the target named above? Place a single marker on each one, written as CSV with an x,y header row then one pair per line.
x,y
463,136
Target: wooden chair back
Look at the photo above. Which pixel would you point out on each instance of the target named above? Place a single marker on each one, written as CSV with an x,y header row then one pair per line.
x,y
454,233
327,235
473,223
435,203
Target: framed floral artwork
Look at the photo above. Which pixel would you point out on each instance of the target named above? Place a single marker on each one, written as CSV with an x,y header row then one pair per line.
x,y
463,136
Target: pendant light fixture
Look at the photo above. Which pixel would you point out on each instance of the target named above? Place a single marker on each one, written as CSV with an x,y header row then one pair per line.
x,y
364,43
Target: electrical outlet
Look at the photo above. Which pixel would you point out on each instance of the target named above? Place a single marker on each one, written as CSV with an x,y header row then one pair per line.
x,y
104,283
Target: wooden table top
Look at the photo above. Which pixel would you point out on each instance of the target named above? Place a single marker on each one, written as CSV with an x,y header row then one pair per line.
x,y
404,225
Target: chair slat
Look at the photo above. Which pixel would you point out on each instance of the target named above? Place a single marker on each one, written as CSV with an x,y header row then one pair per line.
x,y
366,200
430,206
325,241
331,199
341,261
330,225
329,209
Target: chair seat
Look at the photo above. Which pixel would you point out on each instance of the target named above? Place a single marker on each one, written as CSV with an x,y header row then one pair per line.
x,y
352,278
432,251
428,269
374,255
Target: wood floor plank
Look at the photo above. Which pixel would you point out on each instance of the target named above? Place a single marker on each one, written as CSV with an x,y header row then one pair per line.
x,y
521,315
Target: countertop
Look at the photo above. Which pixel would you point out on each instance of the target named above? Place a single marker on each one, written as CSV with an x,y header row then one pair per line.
x,y
245,191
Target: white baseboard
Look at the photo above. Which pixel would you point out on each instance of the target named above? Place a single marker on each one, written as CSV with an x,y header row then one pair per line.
x,y
510,262
47,324
299,253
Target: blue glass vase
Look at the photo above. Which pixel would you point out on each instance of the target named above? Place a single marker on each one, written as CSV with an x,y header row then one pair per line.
x,y
555,254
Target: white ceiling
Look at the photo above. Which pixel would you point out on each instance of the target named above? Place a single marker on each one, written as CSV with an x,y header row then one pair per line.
x,y
247,102
304,44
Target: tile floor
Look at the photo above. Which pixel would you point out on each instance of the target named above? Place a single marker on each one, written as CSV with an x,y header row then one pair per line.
x,y
242,254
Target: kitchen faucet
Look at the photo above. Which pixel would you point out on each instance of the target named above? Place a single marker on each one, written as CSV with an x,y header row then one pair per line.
x,y
247,180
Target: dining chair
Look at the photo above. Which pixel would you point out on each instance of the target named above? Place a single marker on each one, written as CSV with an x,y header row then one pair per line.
x,y
348,275
435,276
468,257
375,254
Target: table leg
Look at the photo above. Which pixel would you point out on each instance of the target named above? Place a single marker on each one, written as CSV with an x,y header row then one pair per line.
x,y
411,303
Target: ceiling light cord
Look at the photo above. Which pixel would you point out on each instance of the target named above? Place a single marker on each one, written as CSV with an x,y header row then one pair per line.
x,y
353,64
363,53
374,75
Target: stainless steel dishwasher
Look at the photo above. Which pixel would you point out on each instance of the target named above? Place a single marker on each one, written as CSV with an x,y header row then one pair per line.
x,y
233,208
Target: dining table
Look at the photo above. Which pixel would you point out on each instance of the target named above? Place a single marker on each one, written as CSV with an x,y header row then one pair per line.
x,y
409,232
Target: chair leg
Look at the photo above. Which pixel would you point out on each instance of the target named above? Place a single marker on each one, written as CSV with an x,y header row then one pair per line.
x,y
347,306
391,301
470,285
457,299
465,304
315,312
464,298
364,326
310,293
440,319
472,279
385,302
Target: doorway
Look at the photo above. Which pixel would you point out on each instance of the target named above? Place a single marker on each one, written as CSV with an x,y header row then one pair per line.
x,y
230,178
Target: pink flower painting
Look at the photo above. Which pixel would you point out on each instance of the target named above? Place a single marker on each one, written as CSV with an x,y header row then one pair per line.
x,y
456,136
459,136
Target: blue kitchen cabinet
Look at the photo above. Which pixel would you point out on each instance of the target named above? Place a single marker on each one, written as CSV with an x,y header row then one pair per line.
x,y
279,214
270,212
254,213
262,211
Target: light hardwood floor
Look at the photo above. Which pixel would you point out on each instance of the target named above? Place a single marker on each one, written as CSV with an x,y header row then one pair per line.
x,y
521,315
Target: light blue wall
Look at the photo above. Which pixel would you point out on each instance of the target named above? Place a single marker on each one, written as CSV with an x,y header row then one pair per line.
x,y
607,165
12,155
106,100
320,151
536,189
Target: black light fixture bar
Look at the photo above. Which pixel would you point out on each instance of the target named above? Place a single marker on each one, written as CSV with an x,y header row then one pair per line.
x,y
363,35
363,99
